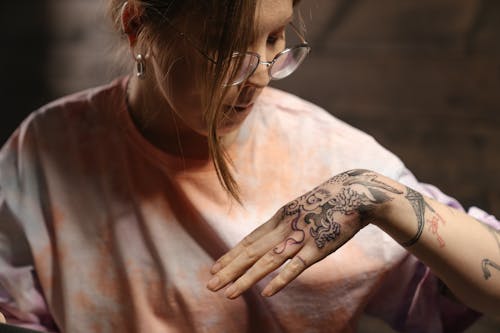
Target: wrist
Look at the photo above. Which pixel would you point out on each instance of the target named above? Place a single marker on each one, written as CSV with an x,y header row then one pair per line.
x,y
376,198
403,217
389,213
383,214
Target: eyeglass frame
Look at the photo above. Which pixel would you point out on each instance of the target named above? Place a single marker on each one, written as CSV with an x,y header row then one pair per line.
x,y
268,64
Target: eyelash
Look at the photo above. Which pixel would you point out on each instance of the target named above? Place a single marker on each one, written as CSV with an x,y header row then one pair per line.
x,y
274,39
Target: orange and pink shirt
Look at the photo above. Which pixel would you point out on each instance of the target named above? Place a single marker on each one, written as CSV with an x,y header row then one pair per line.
x,y
102,232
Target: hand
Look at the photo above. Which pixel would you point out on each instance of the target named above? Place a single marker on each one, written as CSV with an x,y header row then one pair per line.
x,y
305,230
2,318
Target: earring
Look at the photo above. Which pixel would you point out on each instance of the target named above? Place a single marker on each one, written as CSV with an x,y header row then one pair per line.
x,y
140,66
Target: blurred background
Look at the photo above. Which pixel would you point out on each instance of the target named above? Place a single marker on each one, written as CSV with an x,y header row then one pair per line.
x,y
421,76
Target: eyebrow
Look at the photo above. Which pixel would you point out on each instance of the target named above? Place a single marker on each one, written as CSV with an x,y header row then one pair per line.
x,y
282,24
288,19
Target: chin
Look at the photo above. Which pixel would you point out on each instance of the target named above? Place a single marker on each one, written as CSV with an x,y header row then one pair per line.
x,y
234,121
228,129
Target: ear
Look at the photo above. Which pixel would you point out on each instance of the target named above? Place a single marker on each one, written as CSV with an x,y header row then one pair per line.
x,y
130,17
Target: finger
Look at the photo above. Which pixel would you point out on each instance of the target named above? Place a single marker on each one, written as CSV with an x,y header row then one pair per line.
x,y
2,318
302,260
245,243
246,258
265,265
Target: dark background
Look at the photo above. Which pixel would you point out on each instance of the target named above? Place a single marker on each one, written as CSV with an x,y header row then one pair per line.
x,y
421,76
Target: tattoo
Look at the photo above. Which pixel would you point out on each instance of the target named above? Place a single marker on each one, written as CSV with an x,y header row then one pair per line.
x,y
434,226
486,272
419,204
291,240
303,261
347,202
311,199
370,181
322,209
488,262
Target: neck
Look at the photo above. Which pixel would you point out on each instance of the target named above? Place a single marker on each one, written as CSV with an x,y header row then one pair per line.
x,y
159,124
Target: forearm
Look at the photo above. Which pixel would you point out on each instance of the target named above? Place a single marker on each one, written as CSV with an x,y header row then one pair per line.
x,y
462,252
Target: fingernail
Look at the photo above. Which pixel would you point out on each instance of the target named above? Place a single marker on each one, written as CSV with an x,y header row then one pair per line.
x,y
230,291
215,268
267,292
213,283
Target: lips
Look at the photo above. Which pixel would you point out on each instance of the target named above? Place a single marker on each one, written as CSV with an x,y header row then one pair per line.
x,y
239,108
245,100
242,108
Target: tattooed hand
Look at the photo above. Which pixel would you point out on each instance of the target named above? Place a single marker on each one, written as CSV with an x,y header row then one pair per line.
x,y
305,230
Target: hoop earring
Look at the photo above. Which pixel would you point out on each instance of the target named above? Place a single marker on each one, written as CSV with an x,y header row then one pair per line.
x,y
140,66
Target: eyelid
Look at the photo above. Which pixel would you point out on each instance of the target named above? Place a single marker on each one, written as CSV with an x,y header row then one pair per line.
x,y
279,33
275,32
277,37
280,30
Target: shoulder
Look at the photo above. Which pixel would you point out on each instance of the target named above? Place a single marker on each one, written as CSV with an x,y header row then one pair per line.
x,y
281,106
312,128
293,105
87,107
83,104
58,127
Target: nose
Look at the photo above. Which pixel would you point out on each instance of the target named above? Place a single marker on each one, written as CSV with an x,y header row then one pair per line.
x,y
260,76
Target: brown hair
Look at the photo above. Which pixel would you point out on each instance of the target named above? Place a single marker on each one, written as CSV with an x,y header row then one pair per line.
x,y
230,23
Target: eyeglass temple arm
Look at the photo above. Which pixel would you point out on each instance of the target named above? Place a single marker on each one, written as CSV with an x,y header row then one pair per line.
x,y
183,35
193,44
297,31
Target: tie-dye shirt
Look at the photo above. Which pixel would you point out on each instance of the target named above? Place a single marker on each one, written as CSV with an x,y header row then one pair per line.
x,y
100,231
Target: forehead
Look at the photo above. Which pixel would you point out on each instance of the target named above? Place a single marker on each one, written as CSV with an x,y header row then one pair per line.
x,y
272,14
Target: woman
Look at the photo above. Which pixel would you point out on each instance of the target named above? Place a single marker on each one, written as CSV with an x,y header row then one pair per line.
x,y
115,202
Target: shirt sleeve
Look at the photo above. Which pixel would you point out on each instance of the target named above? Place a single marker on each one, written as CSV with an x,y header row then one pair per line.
x,y
419,303
21,299
407,178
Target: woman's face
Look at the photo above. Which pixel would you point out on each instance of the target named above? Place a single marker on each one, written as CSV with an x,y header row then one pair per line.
x,y
185,96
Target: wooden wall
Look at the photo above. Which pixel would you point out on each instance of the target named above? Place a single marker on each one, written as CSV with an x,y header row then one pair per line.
x,y
423,77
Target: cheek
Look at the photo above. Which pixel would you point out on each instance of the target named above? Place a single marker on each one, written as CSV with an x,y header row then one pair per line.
x,y
183,79
183,93
183,86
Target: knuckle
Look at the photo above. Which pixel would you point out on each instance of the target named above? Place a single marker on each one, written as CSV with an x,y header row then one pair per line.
x,y
295,266
269,259
284,230
280,281
278,217
246,242
222,262
292,270
223,275
289,274
250,253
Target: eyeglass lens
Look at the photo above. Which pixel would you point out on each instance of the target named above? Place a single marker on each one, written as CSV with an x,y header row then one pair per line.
x,y
283,65
286,63
248,63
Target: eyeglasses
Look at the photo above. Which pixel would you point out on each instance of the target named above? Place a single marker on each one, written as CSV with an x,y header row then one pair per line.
x,y
282,65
